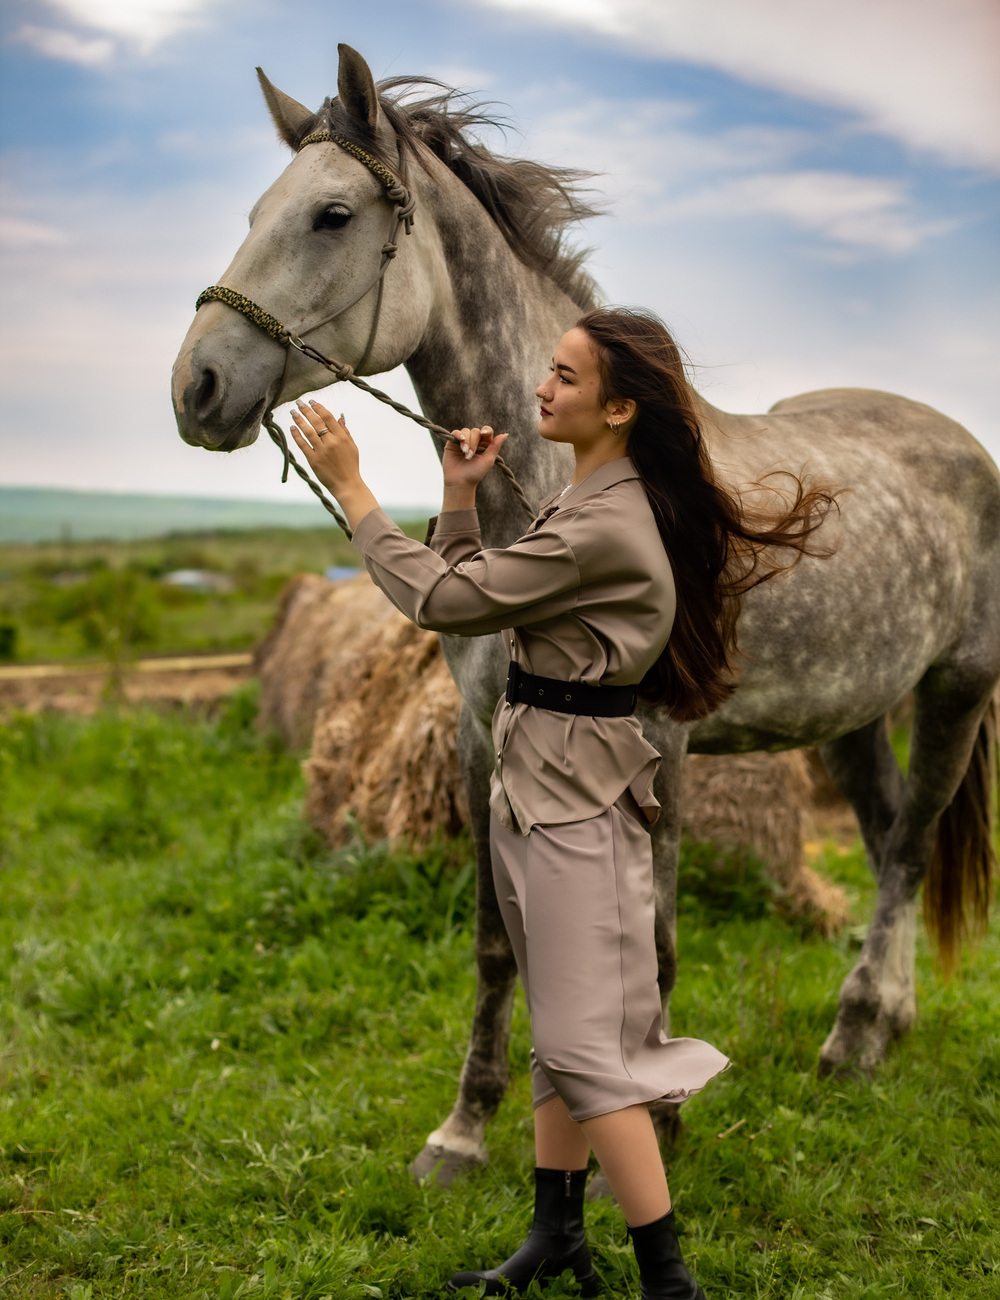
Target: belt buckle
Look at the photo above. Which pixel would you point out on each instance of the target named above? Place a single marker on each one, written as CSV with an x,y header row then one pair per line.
x,y
513,674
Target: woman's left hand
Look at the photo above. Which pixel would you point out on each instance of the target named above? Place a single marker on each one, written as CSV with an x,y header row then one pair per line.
x,y
469,455
333,457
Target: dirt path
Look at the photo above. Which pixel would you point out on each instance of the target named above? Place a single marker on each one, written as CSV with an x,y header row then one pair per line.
x,y
81,688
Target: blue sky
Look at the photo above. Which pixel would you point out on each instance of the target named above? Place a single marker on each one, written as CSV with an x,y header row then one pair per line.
x,y
809,193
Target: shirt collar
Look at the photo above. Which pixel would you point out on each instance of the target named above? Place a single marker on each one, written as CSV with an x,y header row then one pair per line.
x,y
605,476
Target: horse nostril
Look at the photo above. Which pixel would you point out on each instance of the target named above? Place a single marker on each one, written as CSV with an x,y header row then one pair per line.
x,y
207,395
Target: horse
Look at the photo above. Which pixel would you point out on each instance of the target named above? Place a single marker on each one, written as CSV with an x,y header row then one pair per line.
x,y
908,601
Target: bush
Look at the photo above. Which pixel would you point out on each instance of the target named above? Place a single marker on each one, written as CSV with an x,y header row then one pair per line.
x,y
8,640
114,611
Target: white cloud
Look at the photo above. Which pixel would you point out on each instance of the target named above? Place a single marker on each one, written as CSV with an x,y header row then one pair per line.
x,y
649,146
856,212
926,72
656,165
144,23
58,44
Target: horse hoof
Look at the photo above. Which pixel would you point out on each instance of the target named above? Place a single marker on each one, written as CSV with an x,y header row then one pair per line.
x,y
854,1056
853,1068
442,1166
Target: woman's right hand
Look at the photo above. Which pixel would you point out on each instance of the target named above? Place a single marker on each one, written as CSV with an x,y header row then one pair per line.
x,y
470,457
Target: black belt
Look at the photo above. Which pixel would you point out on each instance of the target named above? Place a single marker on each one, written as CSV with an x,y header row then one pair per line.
x,y
569,697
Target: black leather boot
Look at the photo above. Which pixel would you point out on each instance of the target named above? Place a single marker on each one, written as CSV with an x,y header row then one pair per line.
x,y
556,1240
662,1273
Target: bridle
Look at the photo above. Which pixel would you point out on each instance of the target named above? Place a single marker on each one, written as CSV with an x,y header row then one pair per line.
x,y
403,205
403,208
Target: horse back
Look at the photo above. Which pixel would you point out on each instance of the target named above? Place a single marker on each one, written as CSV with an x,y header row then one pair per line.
x,y
912,575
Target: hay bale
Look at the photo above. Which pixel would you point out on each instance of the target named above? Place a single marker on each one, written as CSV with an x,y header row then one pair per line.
x,y
322,638
376,695
373,691
383,751
763,802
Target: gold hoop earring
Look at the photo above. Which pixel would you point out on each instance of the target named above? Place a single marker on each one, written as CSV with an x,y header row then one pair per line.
x,y
615,426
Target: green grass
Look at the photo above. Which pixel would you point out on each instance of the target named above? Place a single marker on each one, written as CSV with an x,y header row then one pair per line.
x,y
78,600
220,1044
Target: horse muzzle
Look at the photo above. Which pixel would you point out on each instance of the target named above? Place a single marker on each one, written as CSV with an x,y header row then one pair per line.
x,y
220,394
202,425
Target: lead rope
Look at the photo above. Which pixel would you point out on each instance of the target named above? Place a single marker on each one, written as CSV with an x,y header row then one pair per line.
x,y
404,205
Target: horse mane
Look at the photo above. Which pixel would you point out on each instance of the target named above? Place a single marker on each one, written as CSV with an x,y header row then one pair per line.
x,y
531,204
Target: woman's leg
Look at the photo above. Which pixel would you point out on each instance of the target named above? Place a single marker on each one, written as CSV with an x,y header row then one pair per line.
x,y
626,1147
560,1142
556,1241
625,1144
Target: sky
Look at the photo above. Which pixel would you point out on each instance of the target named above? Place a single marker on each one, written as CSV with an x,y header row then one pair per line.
x,y
808,191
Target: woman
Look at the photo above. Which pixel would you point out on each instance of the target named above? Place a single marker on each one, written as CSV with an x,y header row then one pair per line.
x,y
591,609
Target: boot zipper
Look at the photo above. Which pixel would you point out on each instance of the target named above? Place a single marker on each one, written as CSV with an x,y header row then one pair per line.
x,y
569,1183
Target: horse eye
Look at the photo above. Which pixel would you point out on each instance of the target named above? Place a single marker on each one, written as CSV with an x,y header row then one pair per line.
x,y
334,217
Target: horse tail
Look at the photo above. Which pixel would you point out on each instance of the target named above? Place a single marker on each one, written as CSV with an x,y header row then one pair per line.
x,y
958,889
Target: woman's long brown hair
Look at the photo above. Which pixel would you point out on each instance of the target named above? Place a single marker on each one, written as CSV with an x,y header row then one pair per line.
x,y
718,549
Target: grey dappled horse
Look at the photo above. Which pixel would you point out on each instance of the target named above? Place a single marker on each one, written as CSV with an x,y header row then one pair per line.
x,y
472,305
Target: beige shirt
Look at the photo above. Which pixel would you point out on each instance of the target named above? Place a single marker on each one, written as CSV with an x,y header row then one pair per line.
x,y
586,594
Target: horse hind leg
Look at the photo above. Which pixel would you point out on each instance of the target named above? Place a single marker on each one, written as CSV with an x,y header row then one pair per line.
x,y
865,770
951,716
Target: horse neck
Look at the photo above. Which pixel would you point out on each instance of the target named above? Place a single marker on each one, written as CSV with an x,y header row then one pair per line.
x,y
489,340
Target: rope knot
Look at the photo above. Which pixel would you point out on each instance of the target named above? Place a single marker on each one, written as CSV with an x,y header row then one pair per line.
x,y
342,370
390,250
405,203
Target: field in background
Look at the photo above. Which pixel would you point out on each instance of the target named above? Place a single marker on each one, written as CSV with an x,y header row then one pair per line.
x,y
75,600
220,1044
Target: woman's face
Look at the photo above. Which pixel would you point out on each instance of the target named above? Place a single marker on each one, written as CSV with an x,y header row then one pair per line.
x,y
570,396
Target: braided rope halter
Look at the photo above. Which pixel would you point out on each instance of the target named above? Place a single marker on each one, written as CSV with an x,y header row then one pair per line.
x,y
404,207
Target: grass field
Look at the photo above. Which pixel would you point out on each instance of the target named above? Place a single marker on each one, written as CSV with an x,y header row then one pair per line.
x,y
221,1044
91,600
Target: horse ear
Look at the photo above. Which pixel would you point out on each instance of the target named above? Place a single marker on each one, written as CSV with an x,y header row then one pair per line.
x,y
287,114
356,88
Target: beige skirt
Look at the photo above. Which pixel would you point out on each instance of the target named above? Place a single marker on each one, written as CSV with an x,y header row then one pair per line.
x,y
577,901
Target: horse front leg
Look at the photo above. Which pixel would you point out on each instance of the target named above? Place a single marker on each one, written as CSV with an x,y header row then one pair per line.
x,y
877,1001
459,1143
864,769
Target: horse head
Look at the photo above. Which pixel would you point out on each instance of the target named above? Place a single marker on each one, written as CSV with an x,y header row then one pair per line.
x,y
318,240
